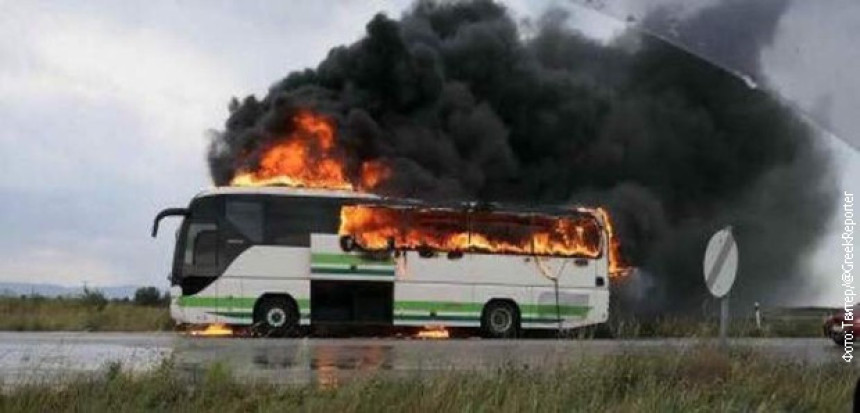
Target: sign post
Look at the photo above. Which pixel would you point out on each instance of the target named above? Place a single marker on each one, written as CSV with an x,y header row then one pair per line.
x,y
720,268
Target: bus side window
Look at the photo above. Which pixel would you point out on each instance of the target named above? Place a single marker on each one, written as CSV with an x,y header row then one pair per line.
x,y
290,221
206,249
206,235
247,217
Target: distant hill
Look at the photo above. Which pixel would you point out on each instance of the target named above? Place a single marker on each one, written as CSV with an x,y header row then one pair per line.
x,y
52,290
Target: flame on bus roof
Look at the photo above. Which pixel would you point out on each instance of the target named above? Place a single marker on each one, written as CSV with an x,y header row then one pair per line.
x,y
308,157
309,162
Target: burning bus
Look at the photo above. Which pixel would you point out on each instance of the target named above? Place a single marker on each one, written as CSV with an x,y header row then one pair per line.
x,y
296,240
276,258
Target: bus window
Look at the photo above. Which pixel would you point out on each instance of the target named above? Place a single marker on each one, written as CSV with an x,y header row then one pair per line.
x,y
206,253
567,236
247,217
501,232
206,209
206,249
290,221
437,229
374,226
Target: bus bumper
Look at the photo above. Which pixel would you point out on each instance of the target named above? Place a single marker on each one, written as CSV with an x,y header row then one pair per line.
x,y
176,312
183,313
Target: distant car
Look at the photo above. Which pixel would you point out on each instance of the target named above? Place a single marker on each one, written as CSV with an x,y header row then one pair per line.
x,y
833,327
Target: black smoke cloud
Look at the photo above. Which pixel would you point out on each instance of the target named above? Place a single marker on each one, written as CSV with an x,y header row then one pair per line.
x,y
462,105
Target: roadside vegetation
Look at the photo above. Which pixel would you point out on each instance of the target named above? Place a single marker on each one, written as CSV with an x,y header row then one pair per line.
x,y
775,322
148,310
702,379
90,311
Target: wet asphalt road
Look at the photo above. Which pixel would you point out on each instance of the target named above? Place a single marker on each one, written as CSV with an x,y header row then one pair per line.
x,y
28,356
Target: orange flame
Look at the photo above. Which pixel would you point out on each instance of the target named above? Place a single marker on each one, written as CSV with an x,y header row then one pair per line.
x,y
380,227
617,266
373,173
214,330
377,227
433,332
308,157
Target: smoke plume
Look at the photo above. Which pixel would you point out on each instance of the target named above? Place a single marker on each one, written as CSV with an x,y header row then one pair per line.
x,y
461,105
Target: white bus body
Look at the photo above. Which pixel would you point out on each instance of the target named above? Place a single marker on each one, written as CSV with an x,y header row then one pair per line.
x,y
323,283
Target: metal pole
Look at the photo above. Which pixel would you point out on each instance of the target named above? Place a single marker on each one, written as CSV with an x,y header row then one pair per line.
x,y
757,316
724,320
557,307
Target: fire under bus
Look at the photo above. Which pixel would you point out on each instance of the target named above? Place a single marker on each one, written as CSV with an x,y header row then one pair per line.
x,y
277,258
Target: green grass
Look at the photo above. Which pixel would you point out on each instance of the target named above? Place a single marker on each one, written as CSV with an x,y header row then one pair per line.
x,y
775,323
698,381
91,313
80,314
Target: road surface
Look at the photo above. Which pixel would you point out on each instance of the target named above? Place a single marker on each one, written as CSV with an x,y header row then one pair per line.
x,y
28,356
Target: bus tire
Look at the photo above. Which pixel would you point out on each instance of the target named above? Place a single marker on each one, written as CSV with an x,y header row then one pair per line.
x,y
500,319
276,316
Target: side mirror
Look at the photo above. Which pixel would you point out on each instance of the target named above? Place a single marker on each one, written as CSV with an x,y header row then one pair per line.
x,y
167,213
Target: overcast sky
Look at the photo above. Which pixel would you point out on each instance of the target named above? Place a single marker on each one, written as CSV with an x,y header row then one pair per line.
x,y
104,109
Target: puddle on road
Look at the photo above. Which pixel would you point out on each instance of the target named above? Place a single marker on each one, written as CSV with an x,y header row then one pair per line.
x,y
326,362
331,362
50,357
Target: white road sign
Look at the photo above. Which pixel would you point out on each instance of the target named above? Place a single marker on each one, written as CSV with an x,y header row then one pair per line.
x,y
721,262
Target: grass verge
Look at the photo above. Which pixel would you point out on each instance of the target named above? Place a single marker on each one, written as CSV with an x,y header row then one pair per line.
x,y
690,327
775,322
701,380
80,314
92,312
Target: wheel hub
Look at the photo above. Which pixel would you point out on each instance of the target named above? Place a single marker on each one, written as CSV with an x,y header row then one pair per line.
x,y
501,319
276,317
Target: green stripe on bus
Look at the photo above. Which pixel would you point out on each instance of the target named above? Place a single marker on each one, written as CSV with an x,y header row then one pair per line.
x,y
229,302
403,317
413,317
528,310
550,310
473,318
248,315
439,306
349,271
232,314
234,302
475,307
347,259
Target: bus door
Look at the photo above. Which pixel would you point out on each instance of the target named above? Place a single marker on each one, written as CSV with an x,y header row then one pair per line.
x,y
241,229
349,286
200,261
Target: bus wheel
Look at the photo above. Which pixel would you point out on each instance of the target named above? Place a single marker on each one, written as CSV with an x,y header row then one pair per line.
x,y
276,316
500,320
